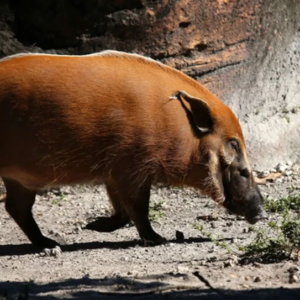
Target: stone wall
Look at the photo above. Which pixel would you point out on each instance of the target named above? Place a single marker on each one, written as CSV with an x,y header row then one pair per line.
x,y
245,51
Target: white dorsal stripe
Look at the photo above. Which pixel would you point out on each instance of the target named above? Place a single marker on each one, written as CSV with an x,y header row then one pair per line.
x,y
113,53
105,53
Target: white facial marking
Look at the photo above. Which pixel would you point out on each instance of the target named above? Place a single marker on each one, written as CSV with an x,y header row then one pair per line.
x,y
211,182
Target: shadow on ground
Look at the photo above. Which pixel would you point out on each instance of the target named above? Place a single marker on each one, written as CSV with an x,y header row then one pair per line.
x,y
126,288
25,249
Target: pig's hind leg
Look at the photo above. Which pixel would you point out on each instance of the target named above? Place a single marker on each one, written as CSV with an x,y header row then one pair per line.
x,y
18,203
118,219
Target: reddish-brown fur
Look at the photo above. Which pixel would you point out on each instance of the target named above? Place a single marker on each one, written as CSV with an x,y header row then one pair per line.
x,y
104,118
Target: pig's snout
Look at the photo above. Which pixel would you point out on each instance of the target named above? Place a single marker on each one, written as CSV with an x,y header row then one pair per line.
x,y
253,218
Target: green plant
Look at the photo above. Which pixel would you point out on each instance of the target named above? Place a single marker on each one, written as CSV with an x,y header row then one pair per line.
x,y
279,240
284,244
61,197
216,240
291,232
283,205
156,210
264,248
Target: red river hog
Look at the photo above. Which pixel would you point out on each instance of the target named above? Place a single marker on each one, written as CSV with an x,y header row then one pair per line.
x,y
121,120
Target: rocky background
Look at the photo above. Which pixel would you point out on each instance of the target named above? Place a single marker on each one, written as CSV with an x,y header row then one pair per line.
x,y
246,51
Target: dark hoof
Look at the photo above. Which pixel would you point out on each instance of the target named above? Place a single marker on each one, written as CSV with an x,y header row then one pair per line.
x,y
152,243
55,252
92,226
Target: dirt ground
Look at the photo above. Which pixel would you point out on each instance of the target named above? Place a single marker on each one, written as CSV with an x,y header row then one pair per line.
x,y
116,265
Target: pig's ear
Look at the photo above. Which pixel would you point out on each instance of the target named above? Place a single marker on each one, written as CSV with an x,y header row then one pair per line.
x,y
198,111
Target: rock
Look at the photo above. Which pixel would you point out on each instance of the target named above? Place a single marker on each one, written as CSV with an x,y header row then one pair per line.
x,y
293,279
56,252
231,262
182,269
211,250
56,233
257,279
288,173
293,270
228,264
179,235
77,229
281,167
213,225
67,190
263,174
257,265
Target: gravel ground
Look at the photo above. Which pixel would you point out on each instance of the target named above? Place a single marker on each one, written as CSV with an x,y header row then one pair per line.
x,y
111,265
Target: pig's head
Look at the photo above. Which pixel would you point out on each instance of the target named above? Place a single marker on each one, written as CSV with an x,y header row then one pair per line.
x,y
223,171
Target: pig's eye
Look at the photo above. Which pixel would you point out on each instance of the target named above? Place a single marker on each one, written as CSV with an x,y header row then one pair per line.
x,y
235,145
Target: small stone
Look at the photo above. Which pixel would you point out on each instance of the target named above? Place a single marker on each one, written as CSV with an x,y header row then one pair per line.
x,y
273,171
56,251
77,229
229,263
46,252
182,269
211,259
263,174
179,235
293,279
150,12
293,270
281,167
211,250
257,265
257,279
51,252
213,225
